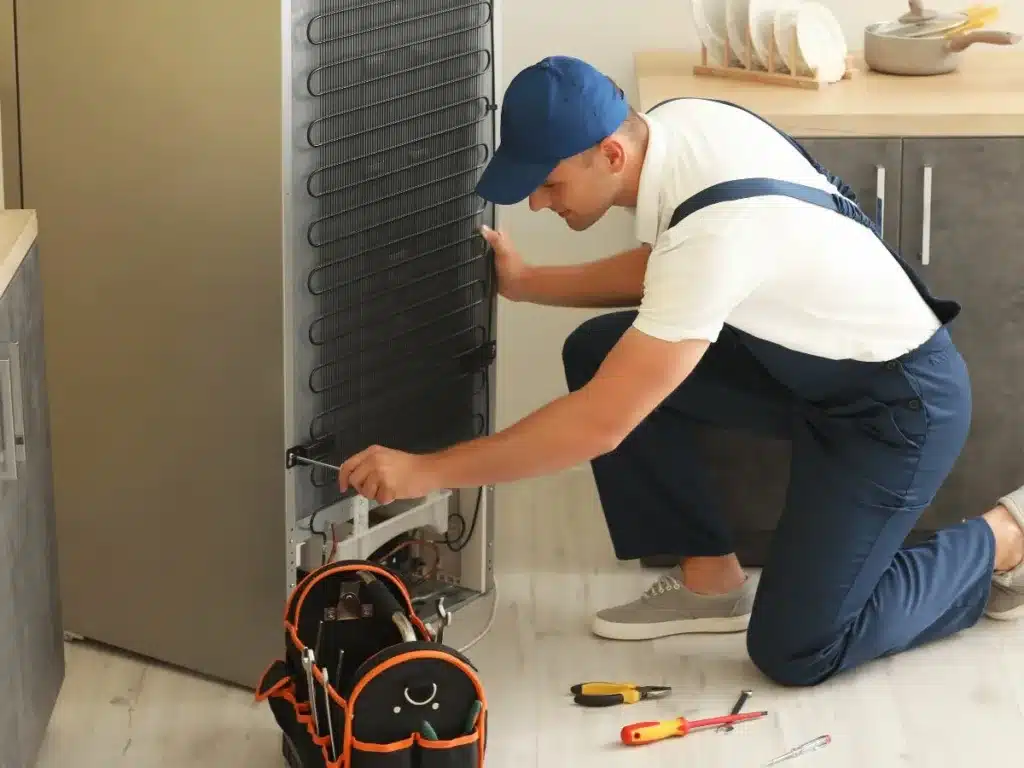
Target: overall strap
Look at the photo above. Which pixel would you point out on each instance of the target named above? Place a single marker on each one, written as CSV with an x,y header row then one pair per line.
x,y
837,182
844,203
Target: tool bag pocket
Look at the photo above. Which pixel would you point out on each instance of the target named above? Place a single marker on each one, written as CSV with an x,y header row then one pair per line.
x,y
363,684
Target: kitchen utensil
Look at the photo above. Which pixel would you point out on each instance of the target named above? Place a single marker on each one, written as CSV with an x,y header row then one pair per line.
x,y
709,19
772,43
784,32
975,20
761,18
647,733
821,45
900,55
737,20
910,25
918,12
924,22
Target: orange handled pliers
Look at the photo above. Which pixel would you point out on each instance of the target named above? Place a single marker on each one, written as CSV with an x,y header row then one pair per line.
x,y
611,694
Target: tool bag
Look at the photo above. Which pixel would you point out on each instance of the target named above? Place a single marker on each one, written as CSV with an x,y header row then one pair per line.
x,y
394,696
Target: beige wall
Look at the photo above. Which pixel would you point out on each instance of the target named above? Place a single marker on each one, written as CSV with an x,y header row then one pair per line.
x,y
570,27
10,143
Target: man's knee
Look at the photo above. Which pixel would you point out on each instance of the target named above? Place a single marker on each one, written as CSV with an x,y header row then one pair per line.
x,y
587,346
777,649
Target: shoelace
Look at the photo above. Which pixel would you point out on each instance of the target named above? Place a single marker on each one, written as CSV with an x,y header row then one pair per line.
x,y
667,583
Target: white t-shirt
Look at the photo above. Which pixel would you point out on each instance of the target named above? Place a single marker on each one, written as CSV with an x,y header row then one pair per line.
x,y
785,271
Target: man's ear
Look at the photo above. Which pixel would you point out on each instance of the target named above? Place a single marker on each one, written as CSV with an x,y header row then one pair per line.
x,y
614,153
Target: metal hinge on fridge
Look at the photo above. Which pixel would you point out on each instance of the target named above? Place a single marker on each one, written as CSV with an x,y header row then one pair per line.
x,y
310,453
478,359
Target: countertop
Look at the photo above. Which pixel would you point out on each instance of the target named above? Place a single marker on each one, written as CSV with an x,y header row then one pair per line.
x,y
984,97
18,230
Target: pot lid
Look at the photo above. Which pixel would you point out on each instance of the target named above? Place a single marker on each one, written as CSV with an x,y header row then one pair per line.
x,y
917,12
921,22
933,26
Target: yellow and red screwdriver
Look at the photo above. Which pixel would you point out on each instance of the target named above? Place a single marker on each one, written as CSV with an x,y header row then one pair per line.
x,y
646,733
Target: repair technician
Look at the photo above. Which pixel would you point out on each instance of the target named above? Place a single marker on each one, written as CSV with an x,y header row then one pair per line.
x,y
763,299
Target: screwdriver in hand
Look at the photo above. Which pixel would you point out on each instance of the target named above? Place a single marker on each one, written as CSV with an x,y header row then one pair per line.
x,y
648,732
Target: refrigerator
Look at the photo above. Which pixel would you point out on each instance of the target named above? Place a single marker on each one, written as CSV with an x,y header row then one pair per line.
x,y
260,245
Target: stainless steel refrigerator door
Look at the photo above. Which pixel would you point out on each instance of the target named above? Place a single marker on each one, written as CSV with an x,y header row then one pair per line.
x,y
10,182
152,149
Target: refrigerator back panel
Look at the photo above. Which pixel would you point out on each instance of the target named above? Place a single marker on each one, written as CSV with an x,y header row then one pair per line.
x,y
392,292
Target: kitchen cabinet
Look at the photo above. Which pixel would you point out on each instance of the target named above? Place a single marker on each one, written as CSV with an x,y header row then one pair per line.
x,y
31,637
962,229
952,208
871,167
952,153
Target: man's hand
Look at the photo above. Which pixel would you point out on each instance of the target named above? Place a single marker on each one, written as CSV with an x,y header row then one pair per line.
x,y
615,281
384,475
509,265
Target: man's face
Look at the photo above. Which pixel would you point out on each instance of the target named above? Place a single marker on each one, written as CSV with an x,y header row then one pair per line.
x,y
582,188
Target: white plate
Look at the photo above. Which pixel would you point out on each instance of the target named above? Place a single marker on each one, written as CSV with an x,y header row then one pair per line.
x,y
761,18
784,31
709,19
820,41
737,20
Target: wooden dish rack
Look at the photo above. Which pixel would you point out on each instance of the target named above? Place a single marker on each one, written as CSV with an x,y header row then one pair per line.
x,y
772,76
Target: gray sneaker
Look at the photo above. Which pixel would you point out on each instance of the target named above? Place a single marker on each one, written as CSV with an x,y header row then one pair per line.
x,y
1006,601
669,608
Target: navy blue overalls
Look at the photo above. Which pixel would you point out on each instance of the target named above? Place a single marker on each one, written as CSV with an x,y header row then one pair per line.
x,y
871,445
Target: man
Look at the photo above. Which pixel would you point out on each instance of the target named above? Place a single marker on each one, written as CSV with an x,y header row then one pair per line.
x,y
768,304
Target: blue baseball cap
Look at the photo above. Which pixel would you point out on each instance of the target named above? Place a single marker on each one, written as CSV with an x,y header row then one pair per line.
x,y
553,110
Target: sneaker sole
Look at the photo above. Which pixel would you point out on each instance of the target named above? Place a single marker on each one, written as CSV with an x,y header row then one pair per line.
x,y
721,625
1010,615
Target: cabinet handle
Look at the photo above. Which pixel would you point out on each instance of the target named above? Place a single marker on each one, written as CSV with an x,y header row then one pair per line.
x,y
880,199
926,218
12,413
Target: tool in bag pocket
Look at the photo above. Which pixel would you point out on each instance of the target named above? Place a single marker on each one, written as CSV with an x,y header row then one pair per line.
x,y
364,684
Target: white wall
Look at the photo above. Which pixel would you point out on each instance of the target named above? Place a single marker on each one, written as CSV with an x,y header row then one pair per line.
x,y
572,27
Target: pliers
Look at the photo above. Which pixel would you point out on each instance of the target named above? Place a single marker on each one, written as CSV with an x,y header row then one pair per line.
x,y
611,694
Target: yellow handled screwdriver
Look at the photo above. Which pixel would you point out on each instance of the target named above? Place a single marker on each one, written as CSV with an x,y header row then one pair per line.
x,y
647,733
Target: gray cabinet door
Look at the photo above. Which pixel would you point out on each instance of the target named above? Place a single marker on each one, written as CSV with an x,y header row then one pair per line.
x,y
857,162
32,649
972,254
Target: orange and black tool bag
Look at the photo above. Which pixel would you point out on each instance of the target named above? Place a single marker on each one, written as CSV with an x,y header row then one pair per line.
x,y
364,684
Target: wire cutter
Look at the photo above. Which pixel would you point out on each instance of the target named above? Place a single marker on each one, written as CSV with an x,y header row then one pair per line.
x,y
611,694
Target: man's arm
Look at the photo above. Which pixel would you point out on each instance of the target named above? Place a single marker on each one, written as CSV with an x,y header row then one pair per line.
x,y
615,281
637,375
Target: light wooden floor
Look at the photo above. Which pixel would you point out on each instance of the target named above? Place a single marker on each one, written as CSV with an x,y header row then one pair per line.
x,y
958,703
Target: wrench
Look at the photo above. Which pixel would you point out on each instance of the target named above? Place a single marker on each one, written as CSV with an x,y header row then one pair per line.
x,y
444,619
307,664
